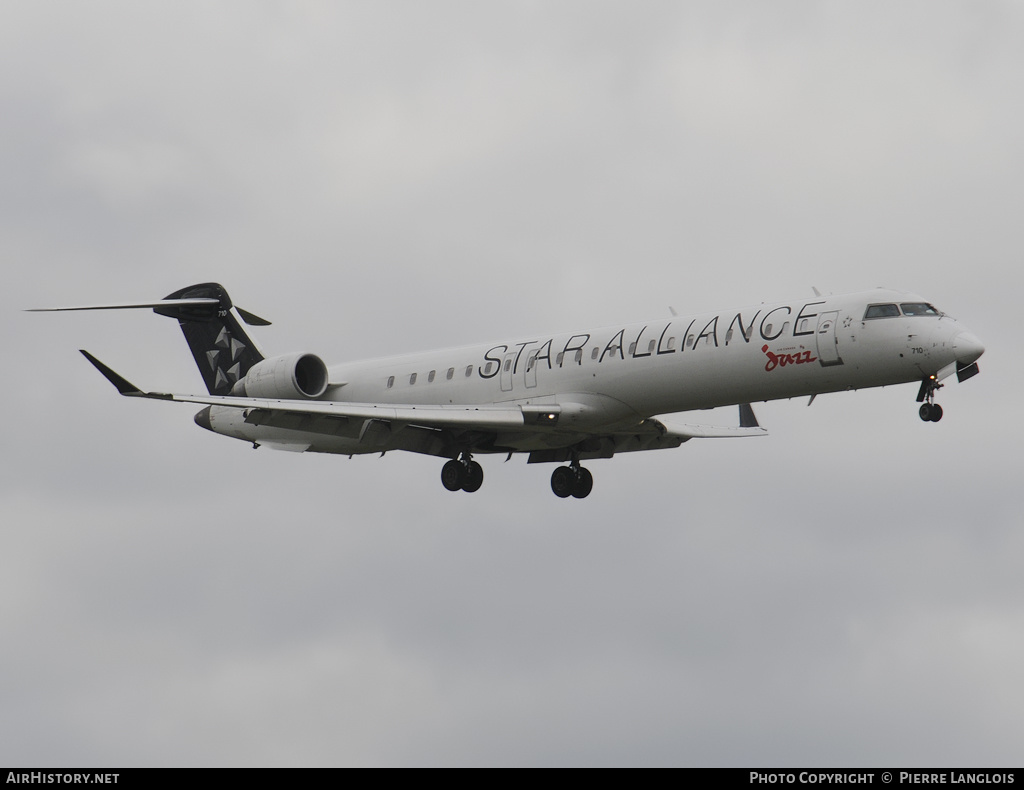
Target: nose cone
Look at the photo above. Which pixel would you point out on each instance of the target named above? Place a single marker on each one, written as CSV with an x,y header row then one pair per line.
x,y
967,347
202,418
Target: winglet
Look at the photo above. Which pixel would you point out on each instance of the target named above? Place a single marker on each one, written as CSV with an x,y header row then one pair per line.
x,y
124,386
747,418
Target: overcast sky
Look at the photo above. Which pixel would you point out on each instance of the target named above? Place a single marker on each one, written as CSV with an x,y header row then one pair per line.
x,y
391,176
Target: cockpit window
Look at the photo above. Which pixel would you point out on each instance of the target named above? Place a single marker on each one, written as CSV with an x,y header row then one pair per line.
x,y
918,308
882,311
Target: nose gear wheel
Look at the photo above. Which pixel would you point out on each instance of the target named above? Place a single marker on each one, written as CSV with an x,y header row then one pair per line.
x,y
930,411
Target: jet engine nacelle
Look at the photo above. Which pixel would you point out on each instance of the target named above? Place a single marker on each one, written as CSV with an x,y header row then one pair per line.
x,y
290,376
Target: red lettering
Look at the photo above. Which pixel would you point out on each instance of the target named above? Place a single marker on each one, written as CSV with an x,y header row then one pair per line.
x,y
777,360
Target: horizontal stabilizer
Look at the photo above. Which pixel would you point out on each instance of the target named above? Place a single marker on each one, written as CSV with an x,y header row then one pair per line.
x,y
130,305
208,308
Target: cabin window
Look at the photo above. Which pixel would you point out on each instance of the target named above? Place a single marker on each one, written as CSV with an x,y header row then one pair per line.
x,y
451,372
650,347
469,370
595,352
391,381
689,338
632,349
671,342
728,336
918,308
430,376
559,358
579,356
412,379
508,365
488,368
882,311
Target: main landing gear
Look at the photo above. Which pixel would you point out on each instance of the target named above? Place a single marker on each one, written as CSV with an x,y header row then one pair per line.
x,y
572,480
463,474
930,411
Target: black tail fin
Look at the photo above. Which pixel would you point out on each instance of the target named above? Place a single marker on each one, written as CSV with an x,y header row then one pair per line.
x,y
222,350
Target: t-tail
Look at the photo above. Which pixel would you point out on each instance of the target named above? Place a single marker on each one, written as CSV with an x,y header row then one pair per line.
x,y
224,353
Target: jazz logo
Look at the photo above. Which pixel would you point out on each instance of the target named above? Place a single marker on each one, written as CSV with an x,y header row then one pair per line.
x,y
781,360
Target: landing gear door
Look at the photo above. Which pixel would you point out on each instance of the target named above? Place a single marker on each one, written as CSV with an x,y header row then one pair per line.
x,y
828,347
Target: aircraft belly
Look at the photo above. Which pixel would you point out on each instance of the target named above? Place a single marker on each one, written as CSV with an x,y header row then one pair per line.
x,y
232,422
528,442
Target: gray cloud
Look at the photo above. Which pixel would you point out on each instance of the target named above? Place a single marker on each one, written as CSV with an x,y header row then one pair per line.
x,y
384,178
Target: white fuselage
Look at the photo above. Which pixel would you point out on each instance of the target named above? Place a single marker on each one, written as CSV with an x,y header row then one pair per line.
x,y
616,376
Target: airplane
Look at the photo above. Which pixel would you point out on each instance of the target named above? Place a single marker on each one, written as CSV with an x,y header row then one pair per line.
x,y
559,397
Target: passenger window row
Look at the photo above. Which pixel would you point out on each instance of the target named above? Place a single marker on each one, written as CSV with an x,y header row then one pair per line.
x,y
449,375
532,361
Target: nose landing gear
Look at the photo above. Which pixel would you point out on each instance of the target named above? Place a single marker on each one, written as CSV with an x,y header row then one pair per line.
x,y
572,480
463,474
930,411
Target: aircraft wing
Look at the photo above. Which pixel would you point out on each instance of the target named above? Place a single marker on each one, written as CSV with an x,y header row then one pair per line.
x,y
265,410
748,426
661,431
